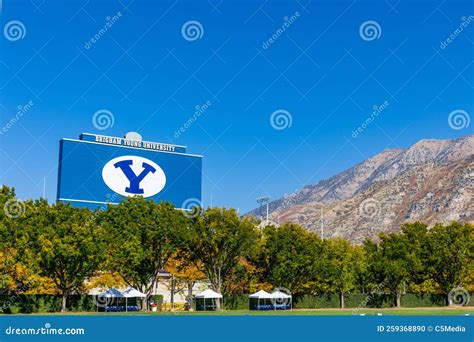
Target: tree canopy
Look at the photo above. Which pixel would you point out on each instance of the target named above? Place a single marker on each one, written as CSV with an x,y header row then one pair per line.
x,y
60,249
141,237
217,239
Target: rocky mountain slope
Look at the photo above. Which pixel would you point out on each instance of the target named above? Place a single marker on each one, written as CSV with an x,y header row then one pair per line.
x,y
432,181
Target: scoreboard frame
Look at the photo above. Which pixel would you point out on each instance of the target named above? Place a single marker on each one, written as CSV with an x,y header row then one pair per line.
x,y
183,170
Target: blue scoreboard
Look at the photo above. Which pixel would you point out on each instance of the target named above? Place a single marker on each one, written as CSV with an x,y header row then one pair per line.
x,y
97,170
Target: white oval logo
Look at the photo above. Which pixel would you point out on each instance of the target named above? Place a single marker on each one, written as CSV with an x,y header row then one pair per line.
x,y
133,175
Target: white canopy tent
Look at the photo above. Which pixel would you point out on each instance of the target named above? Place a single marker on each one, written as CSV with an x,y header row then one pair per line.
x,y
280,295
132,293
109,294
116,294
260,295
112,293
281,299
208,294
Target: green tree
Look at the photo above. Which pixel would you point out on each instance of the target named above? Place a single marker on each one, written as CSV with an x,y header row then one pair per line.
x,y
142,237
65,244
291,257
8,253
244,278
219,238
450,256
398,258
362,274
340,267
416,239
12,217
18,268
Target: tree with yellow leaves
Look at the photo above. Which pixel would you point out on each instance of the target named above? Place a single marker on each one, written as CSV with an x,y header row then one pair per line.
x,y
184,275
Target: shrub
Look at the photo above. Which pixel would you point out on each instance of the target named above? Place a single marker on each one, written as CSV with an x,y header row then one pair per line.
x,y
316,301
236,302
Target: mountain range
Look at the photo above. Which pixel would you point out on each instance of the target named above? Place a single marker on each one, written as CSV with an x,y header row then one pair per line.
x,y
432,181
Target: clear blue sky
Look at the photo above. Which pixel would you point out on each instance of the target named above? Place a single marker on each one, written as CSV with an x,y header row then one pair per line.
x,y
319,69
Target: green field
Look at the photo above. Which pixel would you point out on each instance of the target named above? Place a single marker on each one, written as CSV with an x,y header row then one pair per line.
x,y
338,312
457,311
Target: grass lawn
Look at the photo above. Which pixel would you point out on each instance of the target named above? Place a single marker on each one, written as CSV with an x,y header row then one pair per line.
x,y
339,312
300,312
